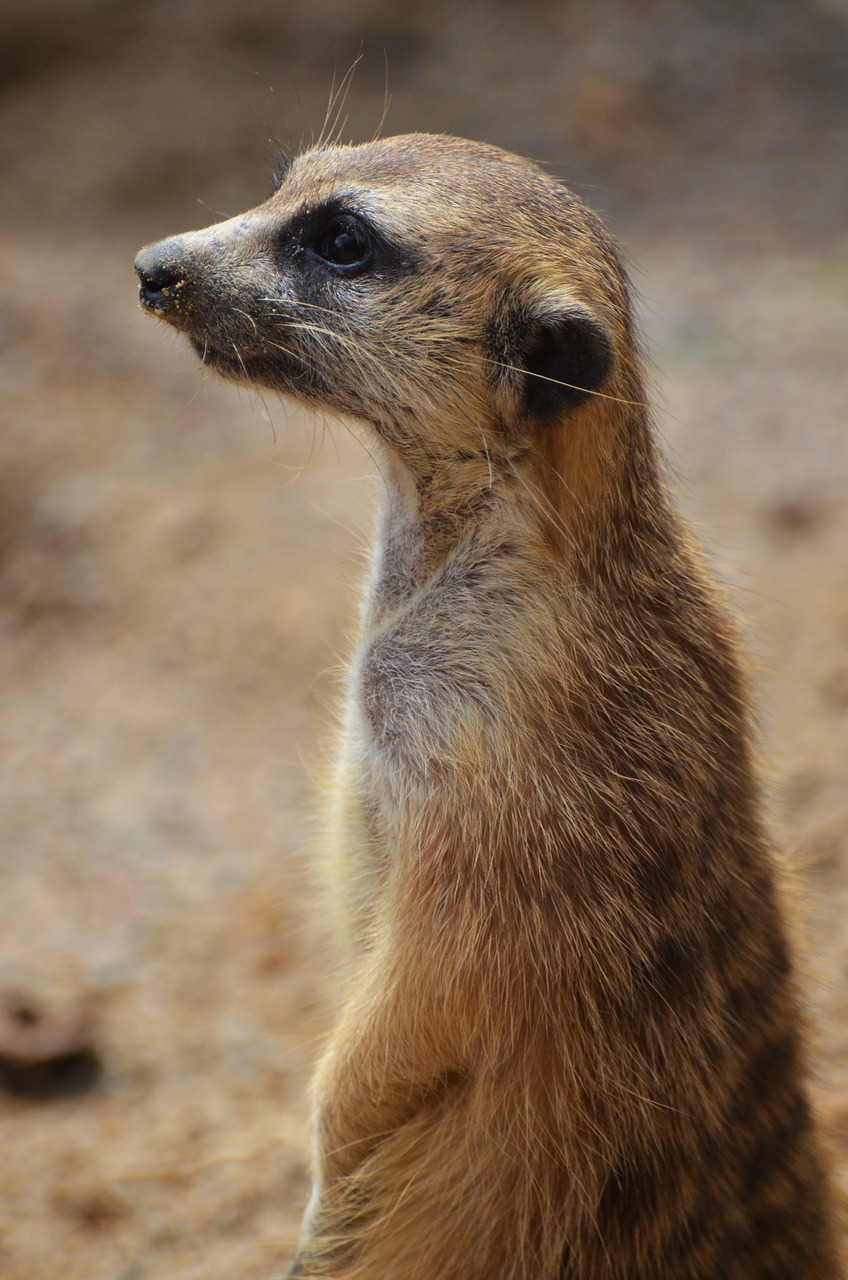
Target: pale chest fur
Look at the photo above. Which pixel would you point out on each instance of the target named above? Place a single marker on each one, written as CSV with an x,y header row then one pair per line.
x,y
435,692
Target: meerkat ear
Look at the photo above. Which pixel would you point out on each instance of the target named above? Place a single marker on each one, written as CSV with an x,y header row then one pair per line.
x,y
567,357
553,358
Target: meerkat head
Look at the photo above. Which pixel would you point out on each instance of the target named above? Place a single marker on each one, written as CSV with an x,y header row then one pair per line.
x,y
441,290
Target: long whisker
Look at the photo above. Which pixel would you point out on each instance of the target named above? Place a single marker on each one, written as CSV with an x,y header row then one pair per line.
x,y
369,361
359,353
386,99
528,373
240,360
436,339
241,312
331,128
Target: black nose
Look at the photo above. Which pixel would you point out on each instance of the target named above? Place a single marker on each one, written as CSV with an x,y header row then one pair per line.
x,y
161,277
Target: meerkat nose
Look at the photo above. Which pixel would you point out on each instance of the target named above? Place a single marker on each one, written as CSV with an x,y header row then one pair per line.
x,y
161,277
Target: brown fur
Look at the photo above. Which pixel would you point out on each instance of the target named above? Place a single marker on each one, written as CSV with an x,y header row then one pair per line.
x,y
571,1047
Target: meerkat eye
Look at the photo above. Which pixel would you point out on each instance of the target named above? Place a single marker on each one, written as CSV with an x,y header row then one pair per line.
x,y
344,244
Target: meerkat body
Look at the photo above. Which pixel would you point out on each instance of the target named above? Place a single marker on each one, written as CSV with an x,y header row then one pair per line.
x,y
571,1046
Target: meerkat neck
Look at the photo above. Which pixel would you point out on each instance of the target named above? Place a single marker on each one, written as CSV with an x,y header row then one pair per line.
x,y
598,486
424,517
566,495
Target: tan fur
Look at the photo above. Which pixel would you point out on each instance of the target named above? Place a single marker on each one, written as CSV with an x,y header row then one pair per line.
x,y
571,1047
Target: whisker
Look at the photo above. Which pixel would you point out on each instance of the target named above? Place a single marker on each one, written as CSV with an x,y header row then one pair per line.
x,y
528,373
386,99
241,312
435,339
330,130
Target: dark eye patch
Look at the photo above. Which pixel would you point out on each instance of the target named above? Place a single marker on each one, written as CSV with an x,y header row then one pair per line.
x,y
346,244
339,240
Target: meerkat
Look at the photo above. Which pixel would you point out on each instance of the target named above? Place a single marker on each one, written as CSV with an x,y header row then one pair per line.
x,y
571,1048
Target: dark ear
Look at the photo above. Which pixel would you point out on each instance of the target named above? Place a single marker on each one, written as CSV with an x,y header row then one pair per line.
x,y
567,356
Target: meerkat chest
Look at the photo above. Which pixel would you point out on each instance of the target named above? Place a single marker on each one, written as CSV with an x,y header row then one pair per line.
x,y
441,680
417,688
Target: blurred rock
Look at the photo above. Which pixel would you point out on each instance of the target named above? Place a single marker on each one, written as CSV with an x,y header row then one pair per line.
x,y
47,1049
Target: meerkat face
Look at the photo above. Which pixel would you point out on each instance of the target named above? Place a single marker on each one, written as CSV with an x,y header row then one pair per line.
x,y
430,286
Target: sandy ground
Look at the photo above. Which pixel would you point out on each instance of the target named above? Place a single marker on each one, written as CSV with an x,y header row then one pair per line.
x,y
178,560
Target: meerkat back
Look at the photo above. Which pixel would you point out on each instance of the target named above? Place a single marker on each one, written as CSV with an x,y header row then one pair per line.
x,y
571,1048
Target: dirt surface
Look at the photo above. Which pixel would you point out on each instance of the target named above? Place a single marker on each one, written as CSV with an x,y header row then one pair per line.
x,y
178,559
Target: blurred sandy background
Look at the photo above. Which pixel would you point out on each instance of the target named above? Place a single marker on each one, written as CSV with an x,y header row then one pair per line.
x,y
178,560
